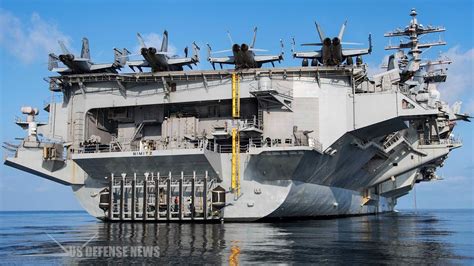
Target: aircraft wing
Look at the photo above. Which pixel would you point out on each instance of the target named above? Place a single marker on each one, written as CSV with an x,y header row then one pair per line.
x,y
138,63
267,58
82,63
314,54
61,70
96,67
180,61
222,60
354,52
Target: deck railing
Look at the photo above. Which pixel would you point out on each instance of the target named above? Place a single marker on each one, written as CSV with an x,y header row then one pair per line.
x,y
200,144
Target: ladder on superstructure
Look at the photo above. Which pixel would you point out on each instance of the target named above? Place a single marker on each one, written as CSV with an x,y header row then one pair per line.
x,y
235,172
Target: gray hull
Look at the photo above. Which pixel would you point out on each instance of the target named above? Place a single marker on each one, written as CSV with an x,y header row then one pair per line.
x,y
311,142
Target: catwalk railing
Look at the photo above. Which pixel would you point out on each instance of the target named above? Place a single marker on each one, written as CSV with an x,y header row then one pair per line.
x,y
245,146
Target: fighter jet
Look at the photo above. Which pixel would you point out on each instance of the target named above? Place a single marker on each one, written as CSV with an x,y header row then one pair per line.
x,y
331,52
243,55
82,64
161,60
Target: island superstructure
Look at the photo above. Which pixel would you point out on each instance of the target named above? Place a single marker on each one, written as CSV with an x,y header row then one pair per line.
x,y
246,144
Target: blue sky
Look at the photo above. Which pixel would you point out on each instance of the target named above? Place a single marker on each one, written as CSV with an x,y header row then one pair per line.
x,y
29,30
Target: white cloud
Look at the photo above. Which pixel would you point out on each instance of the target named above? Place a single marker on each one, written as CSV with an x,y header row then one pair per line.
x,y
460,75
29,41
155,40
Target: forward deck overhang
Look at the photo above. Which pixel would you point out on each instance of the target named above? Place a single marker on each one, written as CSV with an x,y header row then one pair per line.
x,y
100,165
208,75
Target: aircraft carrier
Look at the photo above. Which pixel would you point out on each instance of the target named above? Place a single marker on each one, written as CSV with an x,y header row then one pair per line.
x,y
242,144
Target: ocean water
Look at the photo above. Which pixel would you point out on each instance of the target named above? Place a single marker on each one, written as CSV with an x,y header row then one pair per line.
x,y
406,237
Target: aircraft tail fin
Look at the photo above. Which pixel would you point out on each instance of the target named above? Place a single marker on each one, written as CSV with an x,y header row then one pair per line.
x,y
196,52
230,38
52,61
164,44
209,51
370,43
252,44
320,32
141,41
63,48
341,32
121,56
282,45
293,44
85,52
